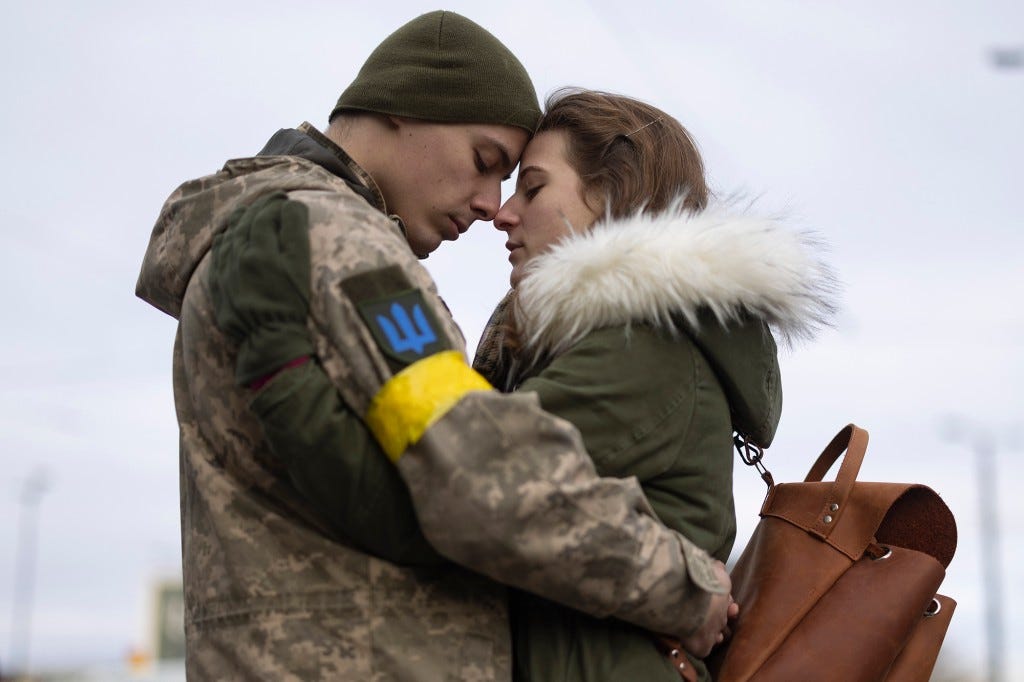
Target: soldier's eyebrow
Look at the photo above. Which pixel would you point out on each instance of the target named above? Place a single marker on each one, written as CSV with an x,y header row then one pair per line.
x,y
506,157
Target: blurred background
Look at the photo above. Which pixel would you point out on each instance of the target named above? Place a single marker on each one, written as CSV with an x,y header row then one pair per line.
x,y
895,130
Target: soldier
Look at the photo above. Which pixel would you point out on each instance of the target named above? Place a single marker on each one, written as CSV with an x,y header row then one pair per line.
x,y
298,560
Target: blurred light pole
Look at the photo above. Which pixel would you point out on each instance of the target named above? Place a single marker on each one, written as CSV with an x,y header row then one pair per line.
x,y
985,455
983,444
1007,58
981,440
32,491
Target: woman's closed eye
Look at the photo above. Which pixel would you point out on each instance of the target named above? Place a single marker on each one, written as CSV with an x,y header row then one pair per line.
x,y
531,192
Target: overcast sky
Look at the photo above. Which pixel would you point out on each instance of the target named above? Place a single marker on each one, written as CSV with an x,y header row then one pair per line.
x,y
883,126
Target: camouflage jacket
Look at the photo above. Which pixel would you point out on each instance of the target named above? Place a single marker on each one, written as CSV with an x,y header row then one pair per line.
x,y
271,591
654,395
498,485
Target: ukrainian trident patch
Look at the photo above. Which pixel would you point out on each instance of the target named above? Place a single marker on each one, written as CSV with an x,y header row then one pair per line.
x,y
398,316
403,326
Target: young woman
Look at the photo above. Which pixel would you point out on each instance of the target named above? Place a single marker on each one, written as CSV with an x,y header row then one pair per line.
x,y
642,316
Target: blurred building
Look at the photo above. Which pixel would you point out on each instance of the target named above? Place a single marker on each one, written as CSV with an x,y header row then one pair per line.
x,y
168,621
163,659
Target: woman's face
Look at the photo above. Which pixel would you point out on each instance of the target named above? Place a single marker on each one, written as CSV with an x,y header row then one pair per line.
x,y
547,205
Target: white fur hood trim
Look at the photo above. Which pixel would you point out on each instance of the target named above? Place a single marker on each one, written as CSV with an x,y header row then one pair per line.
x,y
655,269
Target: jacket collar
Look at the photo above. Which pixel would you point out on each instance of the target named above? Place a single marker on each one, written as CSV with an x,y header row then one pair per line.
x,y
670,269
309,143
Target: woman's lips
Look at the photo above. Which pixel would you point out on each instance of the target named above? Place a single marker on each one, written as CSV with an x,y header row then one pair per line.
x,y
513,248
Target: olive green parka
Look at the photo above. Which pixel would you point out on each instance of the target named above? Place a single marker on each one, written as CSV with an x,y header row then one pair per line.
x,y
652,337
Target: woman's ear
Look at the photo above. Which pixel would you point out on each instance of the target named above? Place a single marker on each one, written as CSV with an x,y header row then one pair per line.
x,y
597,203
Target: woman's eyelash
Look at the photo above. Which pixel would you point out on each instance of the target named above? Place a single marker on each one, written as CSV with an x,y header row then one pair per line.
x,y
532,192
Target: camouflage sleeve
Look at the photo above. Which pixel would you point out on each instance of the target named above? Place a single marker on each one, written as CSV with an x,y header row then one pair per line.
x,y
498,485
508,490
335,463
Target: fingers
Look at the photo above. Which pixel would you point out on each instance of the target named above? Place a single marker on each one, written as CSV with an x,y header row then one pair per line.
x,y
712,632
241,220
248,222
233,221
698,647
265,217
293,242
223,263
271,224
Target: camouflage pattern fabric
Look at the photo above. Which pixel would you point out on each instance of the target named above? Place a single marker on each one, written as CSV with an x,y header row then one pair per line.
x,y
271,592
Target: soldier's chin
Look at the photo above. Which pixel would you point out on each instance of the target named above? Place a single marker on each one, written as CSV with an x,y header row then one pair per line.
x,y
424,245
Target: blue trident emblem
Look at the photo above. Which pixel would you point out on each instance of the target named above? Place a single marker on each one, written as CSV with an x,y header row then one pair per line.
x,y
405,333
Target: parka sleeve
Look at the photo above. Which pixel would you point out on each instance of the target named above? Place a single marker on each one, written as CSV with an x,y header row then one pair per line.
x,y
648,406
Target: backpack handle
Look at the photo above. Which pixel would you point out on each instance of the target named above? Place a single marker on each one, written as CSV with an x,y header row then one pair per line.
x,y
854,441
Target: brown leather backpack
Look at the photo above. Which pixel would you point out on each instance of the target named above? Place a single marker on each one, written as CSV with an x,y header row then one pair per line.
x,y
839,579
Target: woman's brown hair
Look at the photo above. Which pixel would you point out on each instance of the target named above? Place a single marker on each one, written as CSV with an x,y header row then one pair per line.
x,y
631,156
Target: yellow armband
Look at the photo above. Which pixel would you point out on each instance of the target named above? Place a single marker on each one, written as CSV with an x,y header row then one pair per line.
x,y
417,397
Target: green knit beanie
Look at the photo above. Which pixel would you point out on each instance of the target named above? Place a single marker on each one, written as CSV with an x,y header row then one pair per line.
x,y
443,67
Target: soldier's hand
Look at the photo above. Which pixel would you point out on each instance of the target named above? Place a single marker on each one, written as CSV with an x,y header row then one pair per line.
x,y
716,619
259,282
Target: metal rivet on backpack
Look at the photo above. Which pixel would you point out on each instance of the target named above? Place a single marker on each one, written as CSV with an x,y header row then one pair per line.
x,y
828,518
833,507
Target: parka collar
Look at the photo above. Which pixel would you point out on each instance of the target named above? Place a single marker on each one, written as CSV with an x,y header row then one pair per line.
x,y
672,268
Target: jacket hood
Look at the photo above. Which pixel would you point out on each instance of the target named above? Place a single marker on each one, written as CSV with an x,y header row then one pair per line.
x,y
722,276
199,209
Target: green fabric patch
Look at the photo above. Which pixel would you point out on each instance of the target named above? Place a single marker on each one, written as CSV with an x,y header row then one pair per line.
x,y
401,321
